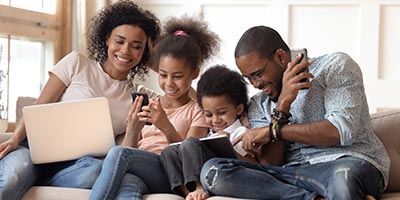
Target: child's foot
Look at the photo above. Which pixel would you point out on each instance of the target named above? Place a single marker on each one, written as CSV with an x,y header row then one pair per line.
x,y
198,194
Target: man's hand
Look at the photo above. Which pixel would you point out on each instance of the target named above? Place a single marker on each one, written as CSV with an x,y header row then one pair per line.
x,y
253,139
291,83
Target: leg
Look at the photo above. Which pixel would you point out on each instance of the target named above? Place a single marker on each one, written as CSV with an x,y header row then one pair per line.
x,y
242,179
172,164
193,154
121,160
344,178
129,184
81,173
17,175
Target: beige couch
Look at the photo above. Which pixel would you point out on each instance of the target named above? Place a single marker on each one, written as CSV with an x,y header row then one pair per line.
x,y
386,126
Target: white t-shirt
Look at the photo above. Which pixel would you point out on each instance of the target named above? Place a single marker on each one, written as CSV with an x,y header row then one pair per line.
x,y
85,78
235,130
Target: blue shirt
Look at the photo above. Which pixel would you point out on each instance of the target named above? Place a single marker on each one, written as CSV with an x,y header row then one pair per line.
x,y
337,95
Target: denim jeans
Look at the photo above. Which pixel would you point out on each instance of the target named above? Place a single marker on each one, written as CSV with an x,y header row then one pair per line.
x,y
129,173
345,178
183,163
18,174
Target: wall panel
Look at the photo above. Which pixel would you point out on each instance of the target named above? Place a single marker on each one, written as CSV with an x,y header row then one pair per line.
x,y
367,30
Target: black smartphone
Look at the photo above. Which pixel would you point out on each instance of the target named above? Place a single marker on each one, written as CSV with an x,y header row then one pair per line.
x,y
145,100
304,58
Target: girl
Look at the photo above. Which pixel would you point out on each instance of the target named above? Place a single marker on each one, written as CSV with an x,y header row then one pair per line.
x,y
135,169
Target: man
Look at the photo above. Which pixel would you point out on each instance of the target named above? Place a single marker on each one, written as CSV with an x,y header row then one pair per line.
x,y
331,151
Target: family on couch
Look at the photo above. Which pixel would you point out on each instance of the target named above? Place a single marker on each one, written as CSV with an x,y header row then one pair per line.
x,y
312,139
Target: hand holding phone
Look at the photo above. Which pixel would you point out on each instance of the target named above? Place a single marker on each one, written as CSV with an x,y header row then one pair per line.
x,y
144,103
304,58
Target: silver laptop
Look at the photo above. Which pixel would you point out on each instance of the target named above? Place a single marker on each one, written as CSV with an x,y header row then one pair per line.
x,y
68,130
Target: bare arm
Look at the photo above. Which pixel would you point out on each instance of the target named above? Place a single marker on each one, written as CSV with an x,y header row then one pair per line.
x,y
51,92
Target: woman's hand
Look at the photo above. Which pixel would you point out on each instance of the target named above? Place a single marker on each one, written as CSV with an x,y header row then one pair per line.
x,y
8,146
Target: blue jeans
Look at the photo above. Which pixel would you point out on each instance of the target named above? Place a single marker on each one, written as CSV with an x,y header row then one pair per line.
x,y
345,178
129,173
18,174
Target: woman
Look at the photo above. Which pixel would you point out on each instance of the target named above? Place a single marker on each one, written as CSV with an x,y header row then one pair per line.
x,y
119,41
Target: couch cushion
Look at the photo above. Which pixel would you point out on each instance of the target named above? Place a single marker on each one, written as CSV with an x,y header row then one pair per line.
x,y
47,193
387,127
51,193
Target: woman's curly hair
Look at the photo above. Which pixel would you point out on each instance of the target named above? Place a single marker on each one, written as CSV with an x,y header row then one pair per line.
x,y
123,12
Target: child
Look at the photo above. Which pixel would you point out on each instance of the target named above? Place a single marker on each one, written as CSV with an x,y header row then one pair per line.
x,y
130,172
222,94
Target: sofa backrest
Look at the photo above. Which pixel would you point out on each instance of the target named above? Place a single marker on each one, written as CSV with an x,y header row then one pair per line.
x,y
387,127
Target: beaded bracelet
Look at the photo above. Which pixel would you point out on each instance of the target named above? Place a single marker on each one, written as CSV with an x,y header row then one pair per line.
x,y
278,119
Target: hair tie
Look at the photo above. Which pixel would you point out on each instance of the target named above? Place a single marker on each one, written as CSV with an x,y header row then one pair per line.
x,y
180,32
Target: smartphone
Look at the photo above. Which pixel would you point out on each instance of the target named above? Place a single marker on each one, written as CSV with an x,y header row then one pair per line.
x,y
145,100
304,58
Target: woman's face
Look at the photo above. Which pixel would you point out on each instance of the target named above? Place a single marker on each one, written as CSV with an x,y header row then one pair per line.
x,y
126,45
175,77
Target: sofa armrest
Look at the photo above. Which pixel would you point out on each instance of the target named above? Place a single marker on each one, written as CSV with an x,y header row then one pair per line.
x,y
4,137
386,127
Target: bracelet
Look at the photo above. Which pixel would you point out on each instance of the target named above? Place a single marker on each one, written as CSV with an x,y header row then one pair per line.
x,y
272,132
278,131
281,116
278,119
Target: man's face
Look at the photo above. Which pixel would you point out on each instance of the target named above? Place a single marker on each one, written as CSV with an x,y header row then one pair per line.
x,y
264,74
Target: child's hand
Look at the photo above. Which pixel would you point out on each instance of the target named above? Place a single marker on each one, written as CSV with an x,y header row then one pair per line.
x,y
134,125
224,133
154,113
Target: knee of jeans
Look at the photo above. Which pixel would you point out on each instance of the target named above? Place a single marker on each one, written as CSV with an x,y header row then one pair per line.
x,y
189,142
169,151
209,173
115,150
17,174
91,168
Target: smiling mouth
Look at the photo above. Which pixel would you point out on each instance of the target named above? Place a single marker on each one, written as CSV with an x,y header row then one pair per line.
x,y
171,92
266,88
219,127
124,60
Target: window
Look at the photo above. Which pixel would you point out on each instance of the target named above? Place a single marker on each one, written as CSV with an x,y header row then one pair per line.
x,y
33,37
45,6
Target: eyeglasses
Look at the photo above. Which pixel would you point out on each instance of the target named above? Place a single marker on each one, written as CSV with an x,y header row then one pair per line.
x,y
256,76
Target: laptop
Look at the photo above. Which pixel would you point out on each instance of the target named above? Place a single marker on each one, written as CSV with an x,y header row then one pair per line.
x,y
220,145
68,130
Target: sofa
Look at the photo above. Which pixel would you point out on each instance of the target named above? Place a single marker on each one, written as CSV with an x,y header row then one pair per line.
x,y
385,124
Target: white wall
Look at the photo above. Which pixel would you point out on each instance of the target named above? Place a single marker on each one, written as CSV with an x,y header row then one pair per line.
x,y
368,30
